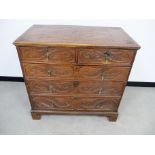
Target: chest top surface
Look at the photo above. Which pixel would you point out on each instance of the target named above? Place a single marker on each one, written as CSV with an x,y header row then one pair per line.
x,y
67,35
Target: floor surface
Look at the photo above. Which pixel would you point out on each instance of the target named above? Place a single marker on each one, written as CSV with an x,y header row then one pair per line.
x,y
136,115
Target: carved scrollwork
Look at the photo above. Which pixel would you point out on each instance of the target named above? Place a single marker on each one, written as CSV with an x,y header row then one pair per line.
x,y
102,104
91,55
40,86
100,90
104,73
59,71
106,56
42,70
51,103
61,55
106,88
120,57
33,53
91,71
60,87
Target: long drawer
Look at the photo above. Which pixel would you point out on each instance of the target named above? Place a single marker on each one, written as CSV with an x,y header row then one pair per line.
x,y
75,103
76,87
71,72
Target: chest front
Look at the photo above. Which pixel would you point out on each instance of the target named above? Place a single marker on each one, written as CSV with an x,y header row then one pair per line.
x,y
74,78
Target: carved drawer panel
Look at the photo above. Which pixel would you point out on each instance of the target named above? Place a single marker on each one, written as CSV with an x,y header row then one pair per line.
x,y
74,103
51,86
33,53
76,87
47,70
104,73
52,103
54,55
105,56
100,88
98,104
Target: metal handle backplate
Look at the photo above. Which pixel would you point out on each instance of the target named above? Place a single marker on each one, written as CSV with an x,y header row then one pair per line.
x,y
106,56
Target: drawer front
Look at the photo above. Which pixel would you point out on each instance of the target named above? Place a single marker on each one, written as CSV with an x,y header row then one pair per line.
x,y
47,70
100,88
52,103
74,103
51,86
98,104
76,87
54,55
105,56
104,73
33,54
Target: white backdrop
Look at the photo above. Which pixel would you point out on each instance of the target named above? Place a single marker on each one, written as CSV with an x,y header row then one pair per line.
x,y
142,31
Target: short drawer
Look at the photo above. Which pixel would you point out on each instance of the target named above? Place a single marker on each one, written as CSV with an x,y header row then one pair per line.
x,y
104,73
47,71
74,103
76,87
105,56
54,55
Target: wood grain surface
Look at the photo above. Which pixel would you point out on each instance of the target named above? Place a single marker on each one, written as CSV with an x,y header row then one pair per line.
x,y
68,87
67,35
75,69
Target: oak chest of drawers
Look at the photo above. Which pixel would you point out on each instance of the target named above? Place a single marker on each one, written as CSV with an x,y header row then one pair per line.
x,y
75,69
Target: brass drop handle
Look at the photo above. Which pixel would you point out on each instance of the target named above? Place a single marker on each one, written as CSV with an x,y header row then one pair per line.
x,y
50,88
106,56
103,76
100,91
47,55
49,72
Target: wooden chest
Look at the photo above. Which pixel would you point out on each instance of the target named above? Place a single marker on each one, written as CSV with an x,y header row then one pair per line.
x,y
75,69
